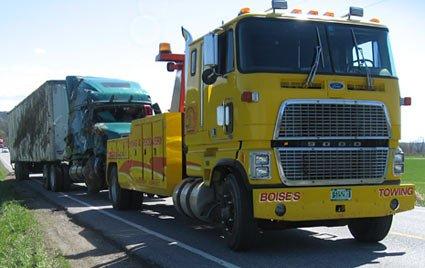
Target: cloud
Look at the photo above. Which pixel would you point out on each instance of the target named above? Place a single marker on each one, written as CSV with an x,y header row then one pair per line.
x,y
39,51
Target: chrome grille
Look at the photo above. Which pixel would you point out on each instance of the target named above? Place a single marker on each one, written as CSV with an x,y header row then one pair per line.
x,y
333,165
303,119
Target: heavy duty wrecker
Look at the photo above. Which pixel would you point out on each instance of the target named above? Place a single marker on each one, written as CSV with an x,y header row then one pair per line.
x,y
278,120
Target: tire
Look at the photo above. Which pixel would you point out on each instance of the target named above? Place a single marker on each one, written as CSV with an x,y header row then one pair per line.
x,y
93,182
21,171
237,220
55,178
136,200
46,174
370,230
66,186
120,198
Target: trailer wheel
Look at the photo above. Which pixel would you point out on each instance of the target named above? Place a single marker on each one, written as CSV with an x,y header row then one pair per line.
x,y
21,171
46,175
370,230
121,198
236,215
55,178
66,179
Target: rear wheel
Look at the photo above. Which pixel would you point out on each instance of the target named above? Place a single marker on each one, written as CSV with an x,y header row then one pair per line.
x,y
237,215
370,230
21,171
55,178
66,186
46,174
121,198
136,200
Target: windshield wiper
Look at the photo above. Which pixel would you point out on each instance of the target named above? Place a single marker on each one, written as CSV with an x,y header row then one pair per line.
x,y
315,66
362,61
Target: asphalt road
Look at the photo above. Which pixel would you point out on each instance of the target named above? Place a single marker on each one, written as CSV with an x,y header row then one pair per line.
x,y
161,236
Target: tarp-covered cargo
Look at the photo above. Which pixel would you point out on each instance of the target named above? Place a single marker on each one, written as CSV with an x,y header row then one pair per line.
x,y
38,125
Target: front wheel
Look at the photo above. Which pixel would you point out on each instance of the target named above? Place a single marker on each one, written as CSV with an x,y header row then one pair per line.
x,y
237,215
370,230
121,198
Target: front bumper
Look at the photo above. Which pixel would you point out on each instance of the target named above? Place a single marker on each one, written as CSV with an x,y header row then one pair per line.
x,y
314,203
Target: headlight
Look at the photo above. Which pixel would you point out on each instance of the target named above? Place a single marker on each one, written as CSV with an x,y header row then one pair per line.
x,y
398,162
262,159
260,165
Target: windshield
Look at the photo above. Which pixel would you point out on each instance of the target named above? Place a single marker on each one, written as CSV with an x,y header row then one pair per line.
x,y
276,45
117,114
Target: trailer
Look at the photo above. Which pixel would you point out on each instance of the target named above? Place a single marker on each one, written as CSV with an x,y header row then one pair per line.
x,y
37,129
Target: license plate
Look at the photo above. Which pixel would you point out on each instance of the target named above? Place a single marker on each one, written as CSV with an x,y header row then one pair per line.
x,y
340,194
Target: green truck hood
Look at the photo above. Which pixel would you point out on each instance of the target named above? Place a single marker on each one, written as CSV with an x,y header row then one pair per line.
x,y
115,90
114,130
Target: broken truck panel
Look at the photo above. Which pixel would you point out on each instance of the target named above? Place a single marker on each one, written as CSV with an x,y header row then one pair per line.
x,y
100,106
38,125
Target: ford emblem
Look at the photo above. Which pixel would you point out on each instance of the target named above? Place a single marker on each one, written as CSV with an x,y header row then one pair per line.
x,y
336,85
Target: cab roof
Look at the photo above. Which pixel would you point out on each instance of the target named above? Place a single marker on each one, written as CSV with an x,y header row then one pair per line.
x,y
296,17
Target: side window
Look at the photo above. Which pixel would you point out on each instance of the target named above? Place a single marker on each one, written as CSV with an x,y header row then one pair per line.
x,y
193,62
229,52
226,53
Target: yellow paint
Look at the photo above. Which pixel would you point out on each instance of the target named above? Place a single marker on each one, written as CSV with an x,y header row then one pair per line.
x,y
150,159
254,126
315,203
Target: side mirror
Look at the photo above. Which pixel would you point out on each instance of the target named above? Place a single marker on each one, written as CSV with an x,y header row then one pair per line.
x,y
210,50
209,76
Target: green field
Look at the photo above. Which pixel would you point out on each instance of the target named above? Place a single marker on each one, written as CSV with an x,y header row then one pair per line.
x,y
415,173
21,241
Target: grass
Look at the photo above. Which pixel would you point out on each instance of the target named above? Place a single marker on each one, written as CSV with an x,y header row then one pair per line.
x,y
21,240
415,173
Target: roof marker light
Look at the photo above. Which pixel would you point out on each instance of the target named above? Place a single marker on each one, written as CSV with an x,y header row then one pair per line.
x,y
329,14
313,12
244,10
375,20
296,11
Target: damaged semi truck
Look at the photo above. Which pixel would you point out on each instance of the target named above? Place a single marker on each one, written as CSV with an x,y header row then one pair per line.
x,y
61,129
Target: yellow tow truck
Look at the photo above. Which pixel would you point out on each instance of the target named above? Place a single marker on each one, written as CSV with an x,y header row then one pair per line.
x,y
279,120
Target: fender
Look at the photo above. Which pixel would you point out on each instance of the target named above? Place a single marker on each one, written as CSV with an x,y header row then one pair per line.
x,y
233,165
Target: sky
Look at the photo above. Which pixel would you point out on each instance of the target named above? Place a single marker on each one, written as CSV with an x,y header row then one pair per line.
x,y
50,39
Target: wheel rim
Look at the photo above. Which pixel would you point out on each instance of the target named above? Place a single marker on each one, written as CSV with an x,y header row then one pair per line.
x,y
228,210
52,178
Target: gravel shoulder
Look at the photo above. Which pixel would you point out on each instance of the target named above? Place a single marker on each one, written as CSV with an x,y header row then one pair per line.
x,y
81,246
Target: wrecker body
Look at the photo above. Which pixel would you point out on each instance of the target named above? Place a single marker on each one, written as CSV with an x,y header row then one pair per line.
x,y
278,120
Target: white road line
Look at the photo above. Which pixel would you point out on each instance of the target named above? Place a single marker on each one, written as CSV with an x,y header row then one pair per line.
x,y
408,235
170,240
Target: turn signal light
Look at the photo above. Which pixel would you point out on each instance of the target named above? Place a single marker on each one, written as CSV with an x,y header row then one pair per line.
x,y
406,101
329,14
147,109
249,96
313,12
296,11
164,48
244,10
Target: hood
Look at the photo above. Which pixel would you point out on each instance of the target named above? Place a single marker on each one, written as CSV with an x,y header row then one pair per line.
x,y
113,130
